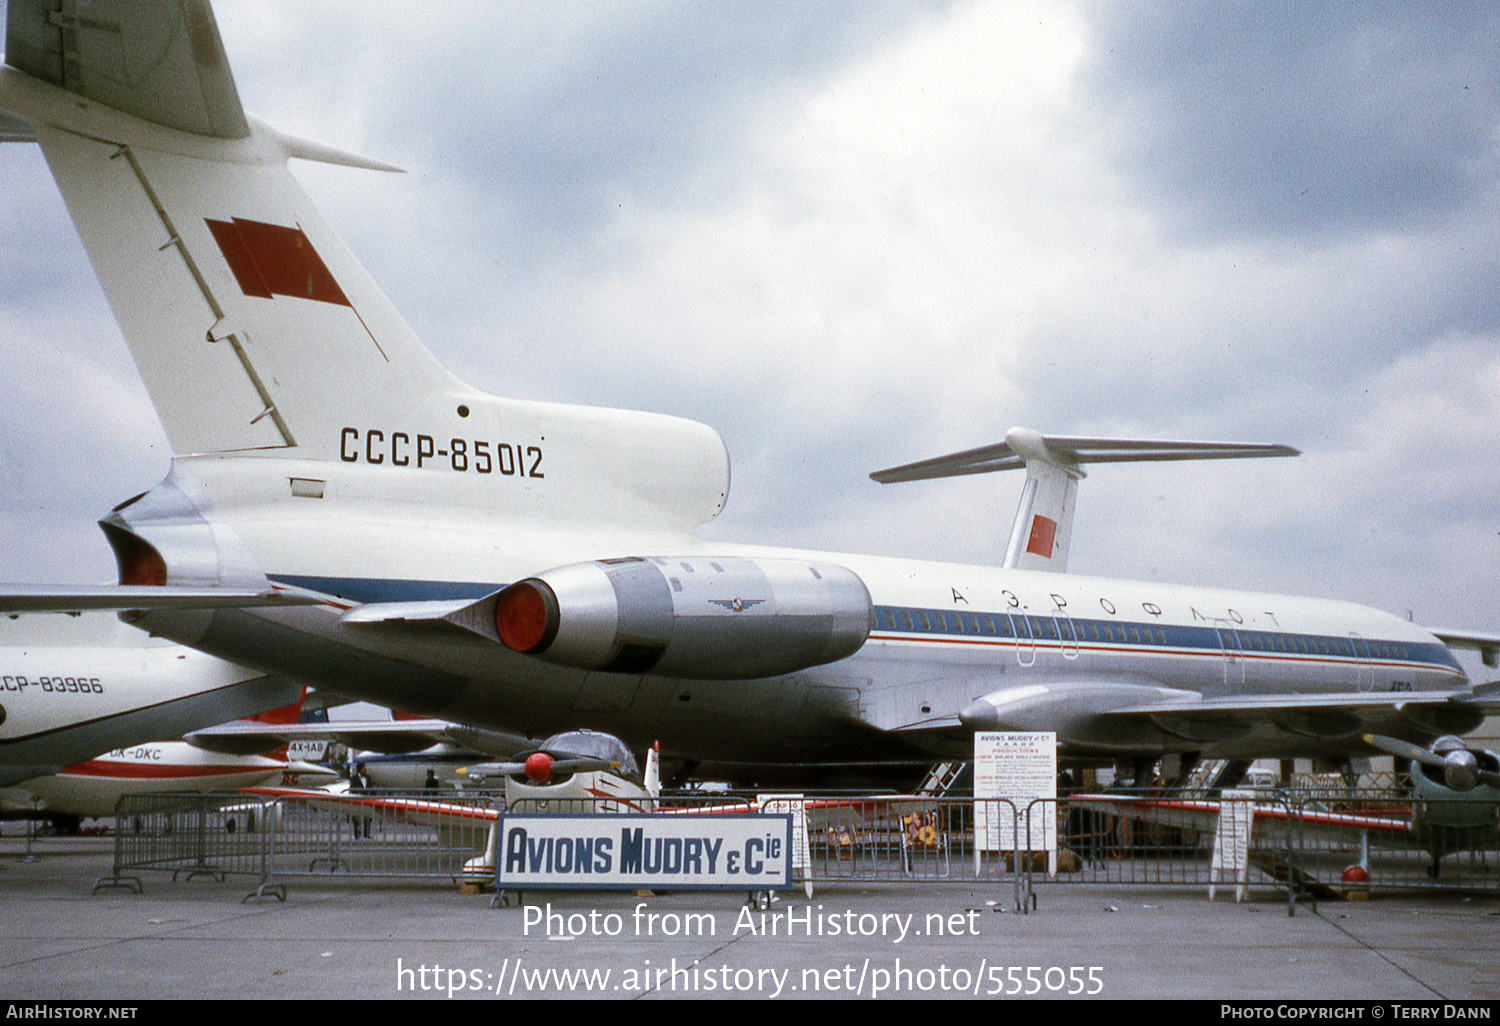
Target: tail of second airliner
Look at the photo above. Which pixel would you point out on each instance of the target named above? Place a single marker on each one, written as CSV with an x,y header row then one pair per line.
x,y
1043,528
252,325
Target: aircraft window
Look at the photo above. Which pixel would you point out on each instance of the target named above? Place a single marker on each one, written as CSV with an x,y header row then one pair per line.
x,y
676,584
958,623
687,568
989,625
717,567
974,623
926,623
906,615
1161,635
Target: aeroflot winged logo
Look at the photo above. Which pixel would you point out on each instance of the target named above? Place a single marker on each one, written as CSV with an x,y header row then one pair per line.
x,y
269,260
736,605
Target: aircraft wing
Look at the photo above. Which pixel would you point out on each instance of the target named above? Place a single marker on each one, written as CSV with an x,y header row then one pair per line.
x,y
419,812
72,598
1334,716
1487,644
372,734
1203,815
1138,715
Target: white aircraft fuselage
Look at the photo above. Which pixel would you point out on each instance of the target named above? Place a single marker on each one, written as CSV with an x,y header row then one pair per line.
x,y
942,636
74,687
94,787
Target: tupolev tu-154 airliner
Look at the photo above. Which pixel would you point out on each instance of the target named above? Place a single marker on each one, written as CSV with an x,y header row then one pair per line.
x,y
342,510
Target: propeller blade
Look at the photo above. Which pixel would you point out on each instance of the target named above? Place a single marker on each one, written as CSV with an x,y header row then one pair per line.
x,y
1405,750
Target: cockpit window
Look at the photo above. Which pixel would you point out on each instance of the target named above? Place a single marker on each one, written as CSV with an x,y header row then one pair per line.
x,y
594,745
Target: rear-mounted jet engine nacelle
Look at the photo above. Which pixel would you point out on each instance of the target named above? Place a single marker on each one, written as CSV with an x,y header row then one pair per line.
x,y
719,618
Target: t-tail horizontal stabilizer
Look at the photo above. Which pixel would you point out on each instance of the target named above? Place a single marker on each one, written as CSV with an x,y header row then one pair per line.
x,y
1054,464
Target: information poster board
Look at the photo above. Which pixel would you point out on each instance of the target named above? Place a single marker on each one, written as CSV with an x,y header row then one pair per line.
x,y
1019,766
1232,843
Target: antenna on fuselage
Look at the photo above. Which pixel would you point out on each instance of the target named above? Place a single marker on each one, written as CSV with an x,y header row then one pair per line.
x,y
1054,464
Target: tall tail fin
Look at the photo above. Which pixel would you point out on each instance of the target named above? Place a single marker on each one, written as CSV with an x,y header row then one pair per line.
x,y
1043,527
247,316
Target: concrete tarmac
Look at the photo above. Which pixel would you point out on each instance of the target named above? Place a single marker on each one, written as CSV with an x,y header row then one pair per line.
x,y
340,938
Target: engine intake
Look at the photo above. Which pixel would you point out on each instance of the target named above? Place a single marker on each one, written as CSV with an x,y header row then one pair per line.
x,y
718,618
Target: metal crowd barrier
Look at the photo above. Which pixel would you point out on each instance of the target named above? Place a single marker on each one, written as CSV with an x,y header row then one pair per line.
x,y
407,835
1370,841
1332,843
193,835
1307,844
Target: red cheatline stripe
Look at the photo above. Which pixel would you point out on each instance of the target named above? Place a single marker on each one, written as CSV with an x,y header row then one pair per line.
x,y
155,771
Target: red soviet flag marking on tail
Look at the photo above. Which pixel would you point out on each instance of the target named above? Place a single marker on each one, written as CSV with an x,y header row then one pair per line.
x,y
1043,531
269,260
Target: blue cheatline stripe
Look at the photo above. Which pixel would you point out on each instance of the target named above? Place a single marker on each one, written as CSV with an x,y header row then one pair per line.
x,y
382,589
1067,631
965,625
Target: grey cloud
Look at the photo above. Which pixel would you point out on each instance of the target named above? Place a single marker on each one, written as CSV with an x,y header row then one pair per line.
x,y
1302,119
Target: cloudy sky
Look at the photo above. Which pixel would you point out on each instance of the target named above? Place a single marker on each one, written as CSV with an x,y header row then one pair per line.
x,y
851,235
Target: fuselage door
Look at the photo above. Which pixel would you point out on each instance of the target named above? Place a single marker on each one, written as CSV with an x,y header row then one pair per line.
x,y
1067,632
1362,669
1020,625
1234,658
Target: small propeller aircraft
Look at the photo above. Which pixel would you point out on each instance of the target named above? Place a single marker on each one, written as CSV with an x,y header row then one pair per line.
x,y
576,771
593,770
1454,807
